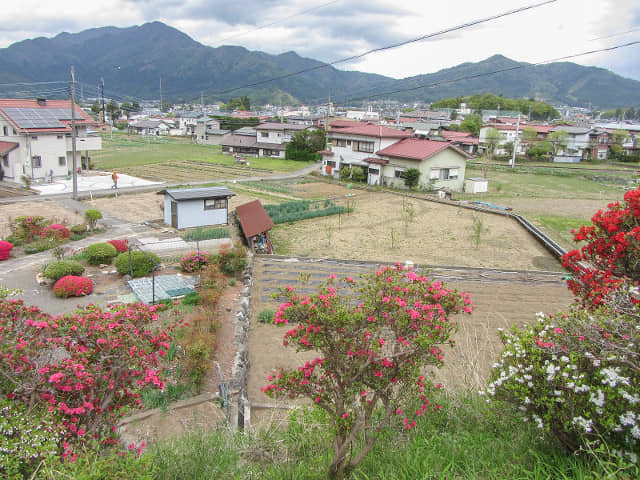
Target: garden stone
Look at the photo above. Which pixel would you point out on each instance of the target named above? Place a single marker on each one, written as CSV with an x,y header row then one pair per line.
x,y
41,279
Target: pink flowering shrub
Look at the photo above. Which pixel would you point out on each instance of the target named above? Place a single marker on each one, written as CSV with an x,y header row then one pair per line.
x,y
87,368
56,231
72,286
121,245
27,229
372,338
194,261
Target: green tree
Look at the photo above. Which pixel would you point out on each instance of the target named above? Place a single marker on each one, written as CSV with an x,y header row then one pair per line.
x,y
559,141
113,110
492,139
305,144
411,177
471,124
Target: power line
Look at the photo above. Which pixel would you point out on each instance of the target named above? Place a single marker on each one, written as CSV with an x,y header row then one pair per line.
x,y
260,27
389,47
478,75
614,35
30,83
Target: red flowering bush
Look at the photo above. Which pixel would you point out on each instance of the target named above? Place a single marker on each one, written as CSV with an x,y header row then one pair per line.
x,y
121,245
611,253
55,231
372,336
27,229
72,286
87,367
194,261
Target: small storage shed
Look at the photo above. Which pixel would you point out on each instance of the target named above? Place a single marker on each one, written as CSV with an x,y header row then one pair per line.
x,y
476,185
196,207
255,223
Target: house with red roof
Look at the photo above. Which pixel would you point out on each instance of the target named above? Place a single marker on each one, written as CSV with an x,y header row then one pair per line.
x,y
441,164
353,146
35,138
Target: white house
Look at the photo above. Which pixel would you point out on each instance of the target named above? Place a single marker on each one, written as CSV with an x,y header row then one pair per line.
x,y
35,138
353,145
195,207
151,127
208,132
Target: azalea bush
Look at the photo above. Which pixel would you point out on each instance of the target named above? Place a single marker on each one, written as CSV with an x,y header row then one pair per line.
x,y
56,231
72,286
120,245
194,261
576,376
372,338
87,368
610,255
27,229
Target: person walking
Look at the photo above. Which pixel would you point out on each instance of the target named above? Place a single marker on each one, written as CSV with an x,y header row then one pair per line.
x,y
114,177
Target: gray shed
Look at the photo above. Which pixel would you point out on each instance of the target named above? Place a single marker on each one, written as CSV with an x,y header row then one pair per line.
x,y
196,207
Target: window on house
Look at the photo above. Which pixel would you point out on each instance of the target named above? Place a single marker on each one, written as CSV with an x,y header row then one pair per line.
x,y
5,161
366,147
60,137
374,171
339,142
215,203
399,173
331,163
36,161
62,161
264,134
348,142
5,131
34,137
443,174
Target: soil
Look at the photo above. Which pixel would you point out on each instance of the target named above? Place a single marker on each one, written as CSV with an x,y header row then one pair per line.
x,y
436,235
47,209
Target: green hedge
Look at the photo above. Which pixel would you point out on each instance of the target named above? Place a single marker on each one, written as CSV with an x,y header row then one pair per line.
x,y
301,210
203,233
56,270
98,253
141,263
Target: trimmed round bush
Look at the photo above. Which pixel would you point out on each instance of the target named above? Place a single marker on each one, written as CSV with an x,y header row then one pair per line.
x,y
121,245
141,263
98,253
56,270
79,228
72,286
92,215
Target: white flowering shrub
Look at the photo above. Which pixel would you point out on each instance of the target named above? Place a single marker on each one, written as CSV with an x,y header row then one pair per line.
x,y
25,439
577,376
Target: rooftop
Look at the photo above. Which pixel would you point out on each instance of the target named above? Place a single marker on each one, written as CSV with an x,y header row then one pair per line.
x,y
198,193
417,149
370,130
253,219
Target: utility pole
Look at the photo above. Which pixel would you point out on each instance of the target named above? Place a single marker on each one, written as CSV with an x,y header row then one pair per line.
x,y
515,143
104,114
161,102
74,162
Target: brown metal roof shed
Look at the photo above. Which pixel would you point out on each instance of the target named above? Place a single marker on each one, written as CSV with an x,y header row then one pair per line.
x,y
254,222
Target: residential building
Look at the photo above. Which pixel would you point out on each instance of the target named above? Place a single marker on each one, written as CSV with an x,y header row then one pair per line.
x,y
441,164
208,132
36,140
150,127
353,145
269,140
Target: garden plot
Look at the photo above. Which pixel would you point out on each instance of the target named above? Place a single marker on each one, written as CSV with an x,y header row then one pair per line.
x,y
190,171
501,298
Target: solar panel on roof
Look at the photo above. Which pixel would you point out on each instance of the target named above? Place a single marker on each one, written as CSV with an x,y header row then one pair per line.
x,y
34,118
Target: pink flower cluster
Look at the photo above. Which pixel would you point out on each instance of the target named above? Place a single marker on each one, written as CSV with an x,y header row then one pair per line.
x,y
72,286
120,245
55,231
194,261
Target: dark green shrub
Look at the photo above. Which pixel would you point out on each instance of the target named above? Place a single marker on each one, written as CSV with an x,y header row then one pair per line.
x,y
266,316
92,216
233,261
191,299
40,246
411,177
98,253
79,228
141,263
56,270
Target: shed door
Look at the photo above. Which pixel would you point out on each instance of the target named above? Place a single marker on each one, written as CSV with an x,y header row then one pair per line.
x,y
174,214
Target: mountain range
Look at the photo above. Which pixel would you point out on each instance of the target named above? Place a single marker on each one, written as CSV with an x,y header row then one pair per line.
x,y
133,60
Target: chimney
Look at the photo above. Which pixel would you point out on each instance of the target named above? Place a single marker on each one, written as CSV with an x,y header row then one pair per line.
x,y
41,101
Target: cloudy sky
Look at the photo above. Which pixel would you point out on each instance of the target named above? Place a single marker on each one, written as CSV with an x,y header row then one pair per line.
x,y
331,30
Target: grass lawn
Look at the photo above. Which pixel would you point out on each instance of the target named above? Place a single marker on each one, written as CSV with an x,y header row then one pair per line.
x,y
125,151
